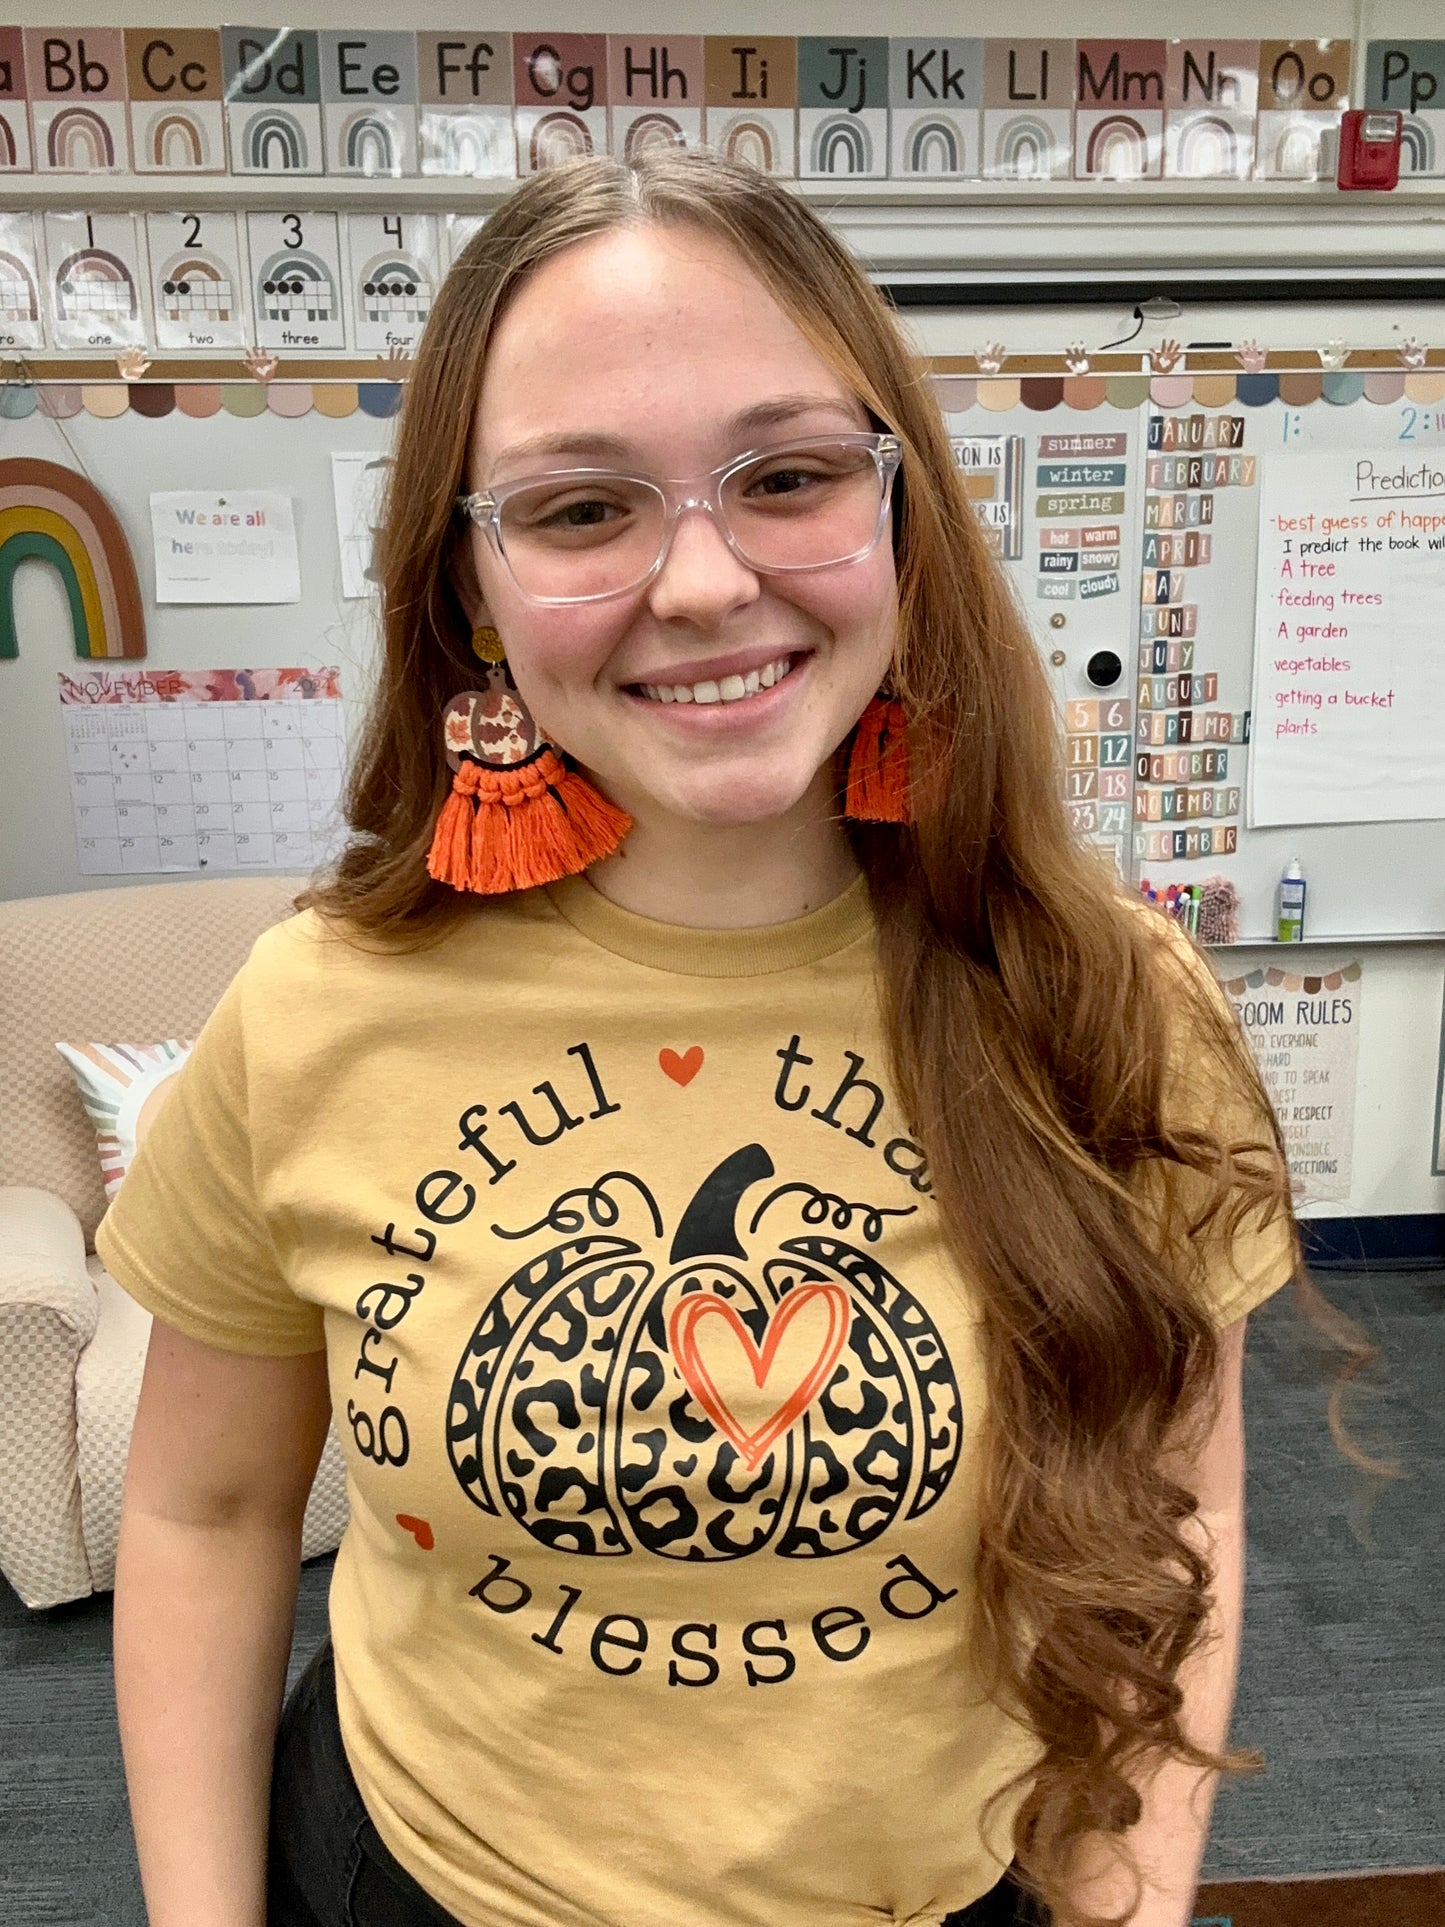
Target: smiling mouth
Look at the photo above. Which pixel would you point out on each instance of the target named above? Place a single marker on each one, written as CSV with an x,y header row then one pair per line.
x,y
727,689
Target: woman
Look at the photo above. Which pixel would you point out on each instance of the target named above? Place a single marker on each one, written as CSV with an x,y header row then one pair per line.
x,y
775,1222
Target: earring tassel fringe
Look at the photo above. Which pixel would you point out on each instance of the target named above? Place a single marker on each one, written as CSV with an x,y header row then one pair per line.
x,y
878,765
512,829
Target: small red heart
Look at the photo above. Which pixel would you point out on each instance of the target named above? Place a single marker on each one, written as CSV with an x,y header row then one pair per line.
x,y
682,1070
419,1529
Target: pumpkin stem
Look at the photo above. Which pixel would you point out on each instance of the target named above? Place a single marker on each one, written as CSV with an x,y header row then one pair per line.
x,y
709,1224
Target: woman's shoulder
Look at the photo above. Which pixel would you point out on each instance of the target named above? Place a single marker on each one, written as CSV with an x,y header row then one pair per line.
x,y
312,945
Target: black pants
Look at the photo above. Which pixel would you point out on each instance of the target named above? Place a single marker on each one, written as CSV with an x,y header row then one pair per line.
x,y
330,1868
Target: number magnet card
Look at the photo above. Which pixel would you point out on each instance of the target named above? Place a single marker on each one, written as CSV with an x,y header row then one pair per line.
x,y
296,280
394,267
94,280
20,323
197,287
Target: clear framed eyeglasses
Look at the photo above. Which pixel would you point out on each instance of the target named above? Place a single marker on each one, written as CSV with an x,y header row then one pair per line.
x,y
582,534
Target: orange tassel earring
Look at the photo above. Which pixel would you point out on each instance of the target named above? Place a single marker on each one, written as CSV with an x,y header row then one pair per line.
x,y
517,815
878,765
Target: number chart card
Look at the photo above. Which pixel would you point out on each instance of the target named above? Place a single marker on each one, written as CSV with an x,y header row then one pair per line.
x,y
394,269
225,769
95,277
20,281
296,280
197,286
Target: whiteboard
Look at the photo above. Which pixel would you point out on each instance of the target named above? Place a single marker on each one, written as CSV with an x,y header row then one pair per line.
x,y
1365,879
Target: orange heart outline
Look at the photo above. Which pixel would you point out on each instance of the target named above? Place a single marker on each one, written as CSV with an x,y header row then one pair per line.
x,y
754,1447
682,1070
419,1530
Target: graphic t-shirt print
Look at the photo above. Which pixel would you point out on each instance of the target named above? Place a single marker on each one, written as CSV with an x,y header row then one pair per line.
x,y
751,1380
742,1375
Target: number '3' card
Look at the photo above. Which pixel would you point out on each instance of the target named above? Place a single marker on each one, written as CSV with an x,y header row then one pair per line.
x,y
296,281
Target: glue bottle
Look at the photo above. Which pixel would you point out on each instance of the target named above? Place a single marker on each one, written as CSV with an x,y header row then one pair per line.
x,y
1290,920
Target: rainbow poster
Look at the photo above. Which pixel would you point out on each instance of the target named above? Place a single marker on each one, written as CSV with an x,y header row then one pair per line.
x,y
51,514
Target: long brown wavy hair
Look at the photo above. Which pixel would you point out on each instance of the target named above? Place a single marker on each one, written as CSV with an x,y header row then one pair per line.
x,y
1028,1009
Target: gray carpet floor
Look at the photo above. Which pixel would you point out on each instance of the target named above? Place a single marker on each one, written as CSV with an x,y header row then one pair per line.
x,y
1342,1682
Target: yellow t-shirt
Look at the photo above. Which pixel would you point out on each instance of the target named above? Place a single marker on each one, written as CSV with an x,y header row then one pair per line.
x,y
659,1396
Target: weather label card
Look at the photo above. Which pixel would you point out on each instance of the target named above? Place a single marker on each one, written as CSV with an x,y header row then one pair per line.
x,y
94,280
236,547
196,281
20,324
296,280
395,266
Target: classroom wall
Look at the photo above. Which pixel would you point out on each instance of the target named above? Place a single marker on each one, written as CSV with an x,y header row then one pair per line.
x,y
1401,993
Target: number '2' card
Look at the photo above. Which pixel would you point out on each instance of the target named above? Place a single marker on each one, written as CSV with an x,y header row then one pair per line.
x,y
198,291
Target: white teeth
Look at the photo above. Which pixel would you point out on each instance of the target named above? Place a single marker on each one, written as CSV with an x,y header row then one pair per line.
x,y
731,689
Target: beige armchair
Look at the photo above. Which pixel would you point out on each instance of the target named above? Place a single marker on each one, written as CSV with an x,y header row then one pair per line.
x,y
134,965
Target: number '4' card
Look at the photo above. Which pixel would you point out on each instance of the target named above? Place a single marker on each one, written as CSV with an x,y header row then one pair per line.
x,y
296,281
198,291
394,268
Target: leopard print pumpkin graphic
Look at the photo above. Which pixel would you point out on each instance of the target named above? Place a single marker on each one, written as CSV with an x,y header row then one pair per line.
x,y
699,1400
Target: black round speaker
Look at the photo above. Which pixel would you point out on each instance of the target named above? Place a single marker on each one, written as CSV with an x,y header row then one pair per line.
x,y
1104,669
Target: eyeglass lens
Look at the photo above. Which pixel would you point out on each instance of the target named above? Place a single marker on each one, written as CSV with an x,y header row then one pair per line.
x,y
792,508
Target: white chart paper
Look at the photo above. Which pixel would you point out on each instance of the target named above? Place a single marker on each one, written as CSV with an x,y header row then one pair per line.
x,y
1349,651
357,480
232,546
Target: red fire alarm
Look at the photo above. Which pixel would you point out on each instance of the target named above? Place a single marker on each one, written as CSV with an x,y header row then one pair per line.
x,y
1370,140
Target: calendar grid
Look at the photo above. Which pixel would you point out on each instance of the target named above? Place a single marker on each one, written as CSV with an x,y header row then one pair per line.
x,y
200,783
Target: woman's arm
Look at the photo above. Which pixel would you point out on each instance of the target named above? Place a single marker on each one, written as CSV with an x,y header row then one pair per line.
x,y
222,1456
1169,1839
